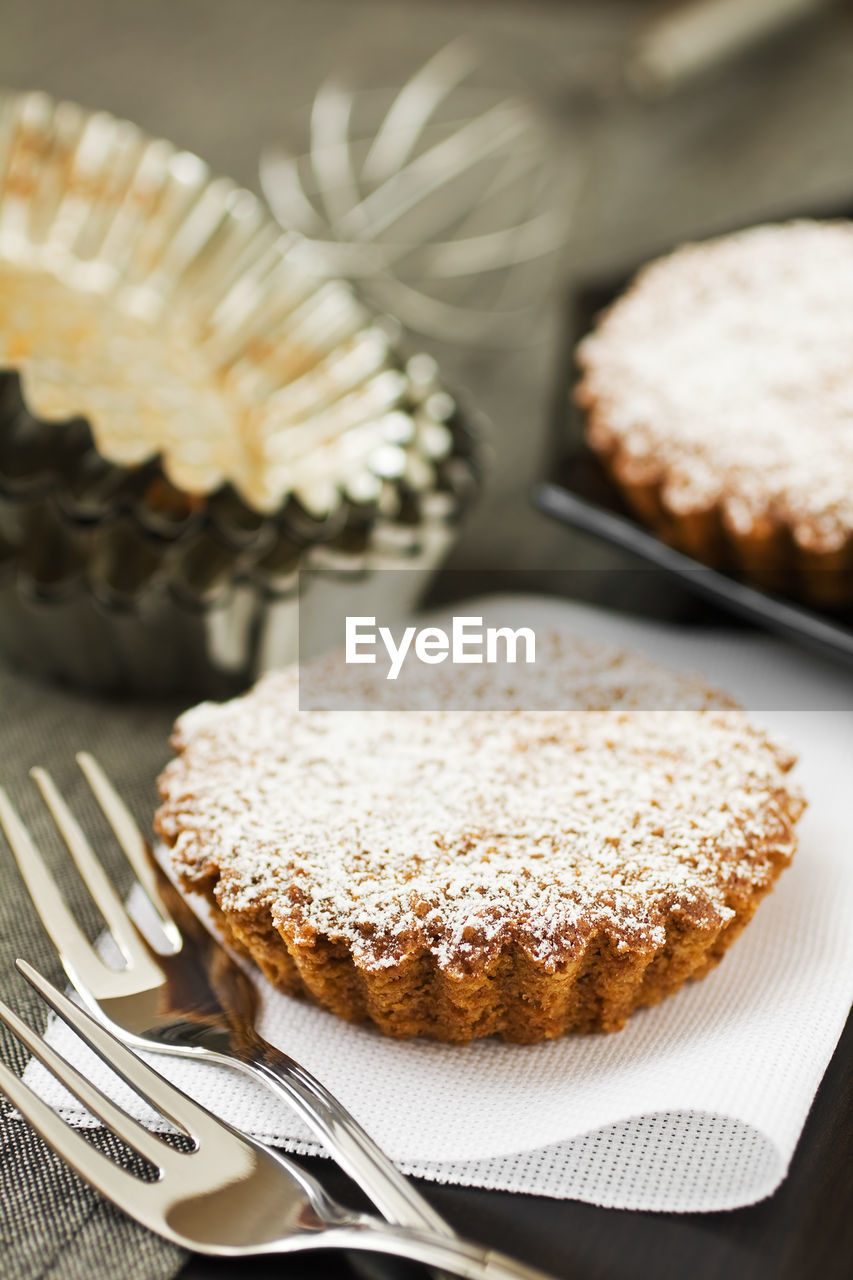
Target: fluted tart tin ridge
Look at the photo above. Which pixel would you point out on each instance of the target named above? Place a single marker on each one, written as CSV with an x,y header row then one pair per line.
x,y
187,416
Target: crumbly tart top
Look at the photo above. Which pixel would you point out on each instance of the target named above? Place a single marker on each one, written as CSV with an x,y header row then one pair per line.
x,y
462,833
726,367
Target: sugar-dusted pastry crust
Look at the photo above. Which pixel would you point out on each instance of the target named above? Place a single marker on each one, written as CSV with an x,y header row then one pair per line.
x,y
459,874
719,394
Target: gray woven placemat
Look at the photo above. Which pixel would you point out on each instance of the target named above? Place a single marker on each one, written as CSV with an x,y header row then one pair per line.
x,y
51,1223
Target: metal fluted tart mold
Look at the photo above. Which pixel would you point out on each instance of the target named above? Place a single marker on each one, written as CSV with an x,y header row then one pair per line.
x,y
187,416
154,301
112,579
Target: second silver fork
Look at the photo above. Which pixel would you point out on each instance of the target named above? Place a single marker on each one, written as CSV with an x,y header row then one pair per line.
x,y
227,1195
194,1001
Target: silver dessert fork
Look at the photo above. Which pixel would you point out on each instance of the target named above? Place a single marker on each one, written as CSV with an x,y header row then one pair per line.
x,y
193,1002
229,1195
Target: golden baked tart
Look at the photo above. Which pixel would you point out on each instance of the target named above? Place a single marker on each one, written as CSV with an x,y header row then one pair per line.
x,y
718,392
458,874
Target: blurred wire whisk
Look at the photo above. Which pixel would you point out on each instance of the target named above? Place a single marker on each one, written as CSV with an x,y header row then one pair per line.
x,y
445,201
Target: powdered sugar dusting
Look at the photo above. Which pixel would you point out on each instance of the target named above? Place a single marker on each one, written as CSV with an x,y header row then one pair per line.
x,y
728,363
459,832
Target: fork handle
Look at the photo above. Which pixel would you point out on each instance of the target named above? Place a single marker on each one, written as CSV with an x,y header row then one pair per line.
x,y
456,1257
343,1137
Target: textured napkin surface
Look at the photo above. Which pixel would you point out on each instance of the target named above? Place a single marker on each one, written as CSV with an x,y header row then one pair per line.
x,y
698,1104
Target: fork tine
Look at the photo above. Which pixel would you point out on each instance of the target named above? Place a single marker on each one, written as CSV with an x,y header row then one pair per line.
x,y
170,1101
91,1164
78,955
128,1129
130,839
95,878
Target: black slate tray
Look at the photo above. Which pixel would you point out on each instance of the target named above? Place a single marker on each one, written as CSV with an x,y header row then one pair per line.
x,y
576,491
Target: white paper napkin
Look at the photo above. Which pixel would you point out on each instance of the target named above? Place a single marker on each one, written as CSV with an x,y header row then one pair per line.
x,y
698,1104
